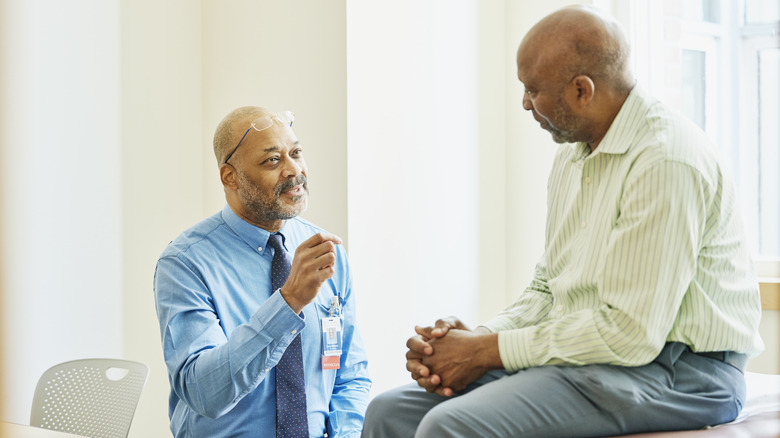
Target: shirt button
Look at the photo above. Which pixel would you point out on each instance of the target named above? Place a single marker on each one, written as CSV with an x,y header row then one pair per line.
x,y
267,370
587,180
559,308
294,331
583,224
260,248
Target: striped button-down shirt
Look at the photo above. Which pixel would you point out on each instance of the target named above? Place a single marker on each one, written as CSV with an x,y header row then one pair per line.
x,y
644,245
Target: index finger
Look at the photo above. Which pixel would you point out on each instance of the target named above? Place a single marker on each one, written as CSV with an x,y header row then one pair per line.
x,y
319,238
441,328
444,325
418,345
425,332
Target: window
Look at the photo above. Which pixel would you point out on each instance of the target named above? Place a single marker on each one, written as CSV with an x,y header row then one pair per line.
x,y
718,62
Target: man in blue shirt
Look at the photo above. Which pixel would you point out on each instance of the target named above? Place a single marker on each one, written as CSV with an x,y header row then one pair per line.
x,y
224,328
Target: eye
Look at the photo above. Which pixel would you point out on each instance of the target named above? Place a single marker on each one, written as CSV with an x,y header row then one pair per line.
x,y
296,153
271,160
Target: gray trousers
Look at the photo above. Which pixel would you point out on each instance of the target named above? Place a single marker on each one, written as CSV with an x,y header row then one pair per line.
x,y
678,390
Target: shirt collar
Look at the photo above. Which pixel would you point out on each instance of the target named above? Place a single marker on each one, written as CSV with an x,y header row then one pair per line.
x,y
254,236
621,132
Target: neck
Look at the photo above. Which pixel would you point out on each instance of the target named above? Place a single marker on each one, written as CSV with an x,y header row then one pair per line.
x,y
606,117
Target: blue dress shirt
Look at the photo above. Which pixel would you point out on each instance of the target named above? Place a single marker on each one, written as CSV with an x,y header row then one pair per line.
x,y
223,330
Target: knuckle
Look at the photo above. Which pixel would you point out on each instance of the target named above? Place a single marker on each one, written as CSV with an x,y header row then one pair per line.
x,y
316,239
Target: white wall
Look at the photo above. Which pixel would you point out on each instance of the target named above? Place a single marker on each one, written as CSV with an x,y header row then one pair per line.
x,y
162,171
769,360
413,170
494,65
60,184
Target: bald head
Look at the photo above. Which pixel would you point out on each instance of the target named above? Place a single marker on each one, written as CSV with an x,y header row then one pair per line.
x,y
579,40
232,128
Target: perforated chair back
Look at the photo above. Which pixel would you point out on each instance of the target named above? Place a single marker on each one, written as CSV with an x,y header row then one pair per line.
x,y
89,397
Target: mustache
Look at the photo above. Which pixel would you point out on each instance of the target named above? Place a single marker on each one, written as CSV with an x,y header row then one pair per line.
x,y
290,183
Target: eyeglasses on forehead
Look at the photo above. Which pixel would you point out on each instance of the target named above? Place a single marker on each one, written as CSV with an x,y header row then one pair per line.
x,y
263,123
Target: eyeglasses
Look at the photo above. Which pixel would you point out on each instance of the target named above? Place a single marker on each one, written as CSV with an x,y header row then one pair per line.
x,y
263,123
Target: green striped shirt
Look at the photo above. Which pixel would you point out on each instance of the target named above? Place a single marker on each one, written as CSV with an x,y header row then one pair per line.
x,y
644,245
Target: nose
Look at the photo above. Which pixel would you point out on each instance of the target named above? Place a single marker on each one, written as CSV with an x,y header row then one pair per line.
x,y
527,103
292,167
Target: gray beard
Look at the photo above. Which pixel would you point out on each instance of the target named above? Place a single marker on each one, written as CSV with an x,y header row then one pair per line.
x,y
261,208
565,120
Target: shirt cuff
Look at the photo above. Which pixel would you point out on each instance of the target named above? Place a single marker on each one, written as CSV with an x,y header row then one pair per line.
x,y
513,349
278,320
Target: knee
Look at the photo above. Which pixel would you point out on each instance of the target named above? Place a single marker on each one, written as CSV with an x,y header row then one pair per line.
x,y
378,414
441,421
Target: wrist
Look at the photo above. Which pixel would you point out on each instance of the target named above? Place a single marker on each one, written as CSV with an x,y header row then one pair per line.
x,y
293,303
487,351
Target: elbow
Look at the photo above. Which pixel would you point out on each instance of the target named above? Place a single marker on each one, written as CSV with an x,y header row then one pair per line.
x,y
204,402
211,412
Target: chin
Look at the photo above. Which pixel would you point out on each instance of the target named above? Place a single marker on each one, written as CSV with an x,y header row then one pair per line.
x,y
298,208
562,138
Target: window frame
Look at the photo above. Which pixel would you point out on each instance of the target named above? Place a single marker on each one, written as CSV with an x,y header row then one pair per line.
x,y
644,24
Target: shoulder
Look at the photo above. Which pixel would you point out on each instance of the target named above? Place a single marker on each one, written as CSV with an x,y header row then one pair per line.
x,y
199,236
673,138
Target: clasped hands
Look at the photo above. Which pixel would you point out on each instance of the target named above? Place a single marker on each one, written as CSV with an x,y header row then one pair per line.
x,y
445,358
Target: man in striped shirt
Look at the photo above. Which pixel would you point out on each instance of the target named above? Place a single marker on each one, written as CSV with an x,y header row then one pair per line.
x,y
644,306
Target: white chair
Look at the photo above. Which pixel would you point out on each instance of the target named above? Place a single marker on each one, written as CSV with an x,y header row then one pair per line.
x,y
89,397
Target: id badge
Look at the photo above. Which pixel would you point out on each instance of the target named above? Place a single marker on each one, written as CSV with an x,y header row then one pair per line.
x,y
331,343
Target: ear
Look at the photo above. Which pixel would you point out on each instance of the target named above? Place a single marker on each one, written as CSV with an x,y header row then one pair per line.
x,y
227,174
580,91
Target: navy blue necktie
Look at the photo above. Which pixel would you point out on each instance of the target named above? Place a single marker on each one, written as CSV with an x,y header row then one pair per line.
x,y
291,420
